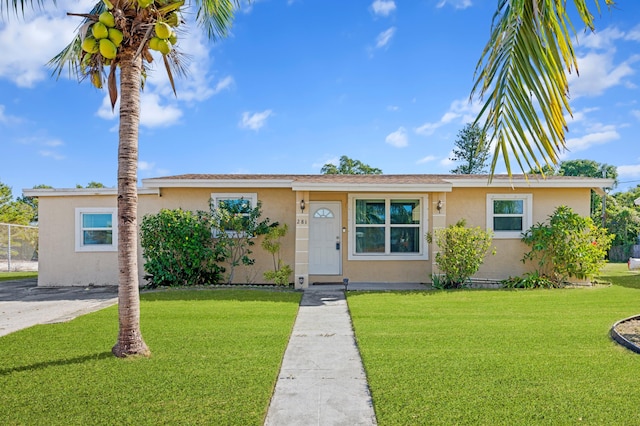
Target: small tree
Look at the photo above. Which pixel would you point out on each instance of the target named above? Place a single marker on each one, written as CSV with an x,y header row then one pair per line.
x,y
271,243
235,225
461,252
178,249
471,151
569,245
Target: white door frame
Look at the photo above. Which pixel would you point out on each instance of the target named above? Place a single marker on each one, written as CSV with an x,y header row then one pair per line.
x,y
336,208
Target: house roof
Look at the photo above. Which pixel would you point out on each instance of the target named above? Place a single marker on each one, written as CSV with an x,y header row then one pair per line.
x,y
351,183
401,183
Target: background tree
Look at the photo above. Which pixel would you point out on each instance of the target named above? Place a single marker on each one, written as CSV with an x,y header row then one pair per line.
x,y
92,184
33,201
115,39
347,166
16,212
522,72
471,151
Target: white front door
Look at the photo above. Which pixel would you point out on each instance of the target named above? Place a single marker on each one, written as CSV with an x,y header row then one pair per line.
x,y
325,238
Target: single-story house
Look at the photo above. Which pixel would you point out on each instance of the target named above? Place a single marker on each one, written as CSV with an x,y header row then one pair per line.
x,y
367,228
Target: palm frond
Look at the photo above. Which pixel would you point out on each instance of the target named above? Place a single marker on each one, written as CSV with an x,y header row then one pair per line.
x,y
521,72
215,16
19,6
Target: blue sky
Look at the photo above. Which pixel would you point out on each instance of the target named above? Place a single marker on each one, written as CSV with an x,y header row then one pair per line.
x,y
298,84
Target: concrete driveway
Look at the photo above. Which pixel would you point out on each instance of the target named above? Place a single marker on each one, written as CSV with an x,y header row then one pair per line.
x,y
24,304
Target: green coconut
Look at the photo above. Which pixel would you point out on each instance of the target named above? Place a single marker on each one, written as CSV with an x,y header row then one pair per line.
x,y
90,45
107,49
99,30
115,36
163,30
153,43
107,19
164,47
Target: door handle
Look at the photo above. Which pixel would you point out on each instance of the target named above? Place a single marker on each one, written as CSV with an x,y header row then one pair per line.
x,y
337,245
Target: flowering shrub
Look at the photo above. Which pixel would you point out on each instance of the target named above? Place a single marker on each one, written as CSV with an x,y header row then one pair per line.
x,y
462,251
568,246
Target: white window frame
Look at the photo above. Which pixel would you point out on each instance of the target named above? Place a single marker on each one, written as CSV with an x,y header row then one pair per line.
x,y
80,246
423,253
527,214
216,196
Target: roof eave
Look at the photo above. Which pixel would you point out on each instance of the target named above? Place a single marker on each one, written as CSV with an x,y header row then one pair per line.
x,y
81,192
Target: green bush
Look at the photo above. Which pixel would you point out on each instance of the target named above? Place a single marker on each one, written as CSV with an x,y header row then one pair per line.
x,y
461,252
569,245
178,249
271,243
529,280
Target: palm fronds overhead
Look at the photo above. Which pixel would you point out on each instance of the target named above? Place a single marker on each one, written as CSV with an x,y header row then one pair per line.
x,y
522,75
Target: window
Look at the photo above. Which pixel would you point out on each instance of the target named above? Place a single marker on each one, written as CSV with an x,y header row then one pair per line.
x,y
388,227
235,204
509,215
96,229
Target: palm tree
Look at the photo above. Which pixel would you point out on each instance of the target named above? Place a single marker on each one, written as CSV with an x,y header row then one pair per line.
x,y
522,70
119,34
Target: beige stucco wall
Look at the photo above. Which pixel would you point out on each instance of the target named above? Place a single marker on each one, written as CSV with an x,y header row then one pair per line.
x,y
61,265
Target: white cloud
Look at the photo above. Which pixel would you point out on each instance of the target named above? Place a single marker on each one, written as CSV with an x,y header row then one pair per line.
x,y
458,4
636,113
155,111
383,7
254,121
29,43
598,73
461,111
393,108
399,138
634,34
629,170
333,160
8,119
447,161
426,159
51,154
145,166
384,37
597,136
601,39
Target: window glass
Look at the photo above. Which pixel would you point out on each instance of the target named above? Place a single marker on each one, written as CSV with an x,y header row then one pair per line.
x,y
96,229
97,220
405,212
508,207
507,223
97,238
388,227
370,239
405,240
370,212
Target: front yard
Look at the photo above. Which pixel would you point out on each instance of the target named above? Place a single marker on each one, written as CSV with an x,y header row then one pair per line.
x,y
500,356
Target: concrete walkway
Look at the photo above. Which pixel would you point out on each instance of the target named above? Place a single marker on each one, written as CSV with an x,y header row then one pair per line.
x,y
322,380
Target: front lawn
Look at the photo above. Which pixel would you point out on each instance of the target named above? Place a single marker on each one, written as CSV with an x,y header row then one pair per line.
x,y
215,360
501,356
8,276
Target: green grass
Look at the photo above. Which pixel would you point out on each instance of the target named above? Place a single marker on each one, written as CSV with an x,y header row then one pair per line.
x,y
507,357
7,276
215,360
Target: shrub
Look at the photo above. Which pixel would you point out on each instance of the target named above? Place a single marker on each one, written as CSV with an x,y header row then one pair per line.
x,y
529,280
462,251
569,245
178,249
235,227
271,243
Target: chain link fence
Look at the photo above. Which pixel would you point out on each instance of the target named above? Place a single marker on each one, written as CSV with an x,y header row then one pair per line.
x,y
18,248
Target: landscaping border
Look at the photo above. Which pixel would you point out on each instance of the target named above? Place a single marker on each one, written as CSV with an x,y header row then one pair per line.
x,y
620,339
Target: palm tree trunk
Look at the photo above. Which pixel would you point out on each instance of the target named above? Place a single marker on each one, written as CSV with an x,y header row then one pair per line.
x,y
130,340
